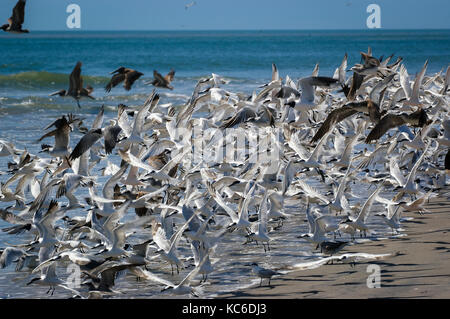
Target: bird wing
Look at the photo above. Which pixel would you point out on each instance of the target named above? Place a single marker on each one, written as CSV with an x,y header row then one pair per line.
x,y
368,204
147,275
134,161
9,255
386,123
333,118
75,82
85,143
62,137
375,94
160,80
240,117
357,80
404,81
115,79
169,77
18,15
275,74
99,118
12,218
418,83
395,171
130,78
110,136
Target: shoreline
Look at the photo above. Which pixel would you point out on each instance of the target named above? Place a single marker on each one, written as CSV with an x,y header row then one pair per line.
x,y
418,265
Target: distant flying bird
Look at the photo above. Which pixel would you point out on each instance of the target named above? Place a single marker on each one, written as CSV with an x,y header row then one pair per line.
x,y
125,75
18,17
76,89
162,82
190,5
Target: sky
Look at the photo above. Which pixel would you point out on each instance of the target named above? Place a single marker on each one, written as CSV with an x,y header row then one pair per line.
x,y
116,15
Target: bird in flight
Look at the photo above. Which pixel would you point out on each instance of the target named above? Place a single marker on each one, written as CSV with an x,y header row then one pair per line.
x,y
162,82
17,19
125,75
187,6
76,89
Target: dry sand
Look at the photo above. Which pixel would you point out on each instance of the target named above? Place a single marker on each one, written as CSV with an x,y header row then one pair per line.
x,y
419,266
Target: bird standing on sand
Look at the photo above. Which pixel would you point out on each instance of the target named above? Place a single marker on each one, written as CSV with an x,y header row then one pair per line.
x,y
76,89
125,75
17,19
263,272
162,82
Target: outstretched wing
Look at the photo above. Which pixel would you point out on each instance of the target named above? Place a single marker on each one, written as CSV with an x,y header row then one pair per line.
x,y
169,77
111,134
159,78
85,143
384,125
18,15
130,78
115,79
75,81
334,117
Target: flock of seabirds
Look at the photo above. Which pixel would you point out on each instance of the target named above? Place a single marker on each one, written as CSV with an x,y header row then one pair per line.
x,y
378,127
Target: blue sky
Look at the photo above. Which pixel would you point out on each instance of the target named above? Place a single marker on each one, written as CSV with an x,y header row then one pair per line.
x,y
232,14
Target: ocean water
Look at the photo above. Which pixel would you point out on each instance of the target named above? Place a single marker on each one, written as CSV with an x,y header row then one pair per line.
x,y
34,65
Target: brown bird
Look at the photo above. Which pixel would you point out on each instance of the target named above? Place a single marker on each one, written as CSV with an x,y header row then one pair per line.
x,y
17,19
367,107
76,89
125,75
162,82
350,91
417,119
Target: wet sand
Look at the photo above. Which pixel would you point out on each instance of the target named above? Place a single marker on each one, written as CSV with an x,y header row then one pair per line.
x,y
418,267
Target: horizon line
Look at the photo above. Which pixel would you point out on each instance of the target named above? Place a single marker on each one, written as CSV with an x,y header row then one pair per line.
x,y
208,30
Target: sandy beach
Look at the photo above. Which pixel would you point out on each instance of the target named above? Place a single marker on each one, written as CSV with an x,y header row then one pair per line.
x,y
418,265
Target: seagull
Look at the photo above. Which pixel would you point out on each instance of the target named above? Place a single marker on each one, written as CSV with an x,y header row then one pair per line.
x,y
76,89
307,86
263,273
261,233
110,135
182,288
17,19
125,75
412,95
359,222
162,82
391,218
